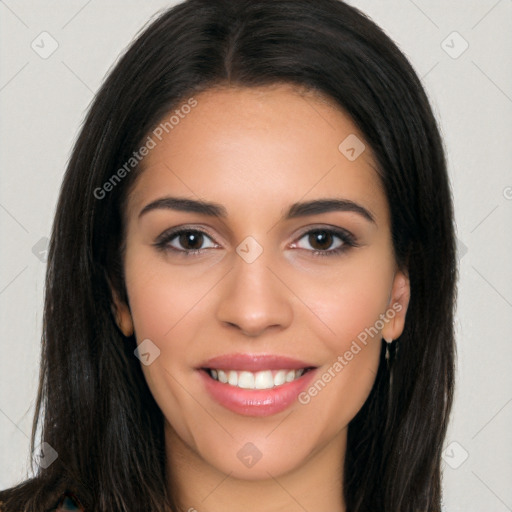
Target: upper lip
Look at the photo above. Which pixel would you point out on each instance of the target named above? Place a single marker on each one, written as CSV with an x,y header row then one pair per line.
x,y
254,362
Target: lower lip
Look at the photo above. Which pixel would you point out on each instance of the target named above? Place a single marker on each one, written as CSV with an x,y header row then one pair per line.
x,y
256,402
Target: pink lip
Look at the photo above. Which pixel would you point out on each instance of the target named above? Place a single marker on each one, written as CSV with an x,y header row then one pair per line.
x,y
254,362
252,402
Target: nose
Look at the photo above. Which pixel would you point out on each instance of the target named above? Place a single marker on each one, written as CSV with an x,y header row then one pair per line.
x,y
253,297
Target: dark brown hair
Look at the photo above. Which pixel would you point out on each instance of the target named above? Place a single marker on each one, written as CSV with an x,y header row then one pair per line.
x,y
93,405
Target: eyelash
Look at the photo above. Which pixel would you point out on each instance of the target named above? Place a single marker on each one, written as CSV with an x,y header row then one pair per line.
x,y
347,238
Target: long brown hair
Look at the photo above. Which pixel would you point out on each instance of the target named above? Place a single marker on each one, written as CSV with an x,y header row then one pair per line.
x,y
93,404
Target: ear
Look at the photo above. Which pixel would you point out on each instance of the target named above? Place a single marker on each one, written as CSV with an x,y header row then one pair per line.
x,y
399,301
122,314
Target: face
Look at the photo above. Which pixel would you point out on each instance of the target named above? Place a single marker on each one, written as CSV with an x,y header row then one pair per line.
x,y
260,288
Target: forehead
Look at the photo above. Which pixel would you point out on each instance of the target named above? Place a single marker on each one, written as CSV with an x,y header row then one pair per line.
x,y
262,148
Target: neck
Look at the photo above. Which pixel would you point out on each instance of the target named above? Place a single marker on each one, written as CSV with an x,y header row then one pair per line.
x,y
199,487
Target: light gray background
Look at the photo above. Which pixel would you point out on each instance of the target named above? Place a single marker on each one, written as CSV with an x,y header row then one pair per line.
x,y
43,101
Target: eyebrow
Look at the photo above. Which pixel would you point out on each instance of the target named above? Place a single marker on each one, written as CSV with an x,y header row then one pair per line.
x,y
296,210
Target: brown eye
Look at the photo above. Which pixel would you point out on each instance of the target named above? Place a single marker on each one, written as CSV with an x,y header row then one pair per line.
x,y
328,242
320,240
191,240
185,241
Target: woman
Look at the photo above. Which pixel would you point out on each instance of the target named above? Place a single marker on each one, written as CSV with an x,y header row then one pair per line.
x,y
251,276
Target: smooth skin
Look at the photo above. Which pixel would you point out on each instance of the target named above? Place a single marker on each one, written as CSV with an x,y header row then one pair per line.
x,y
256,151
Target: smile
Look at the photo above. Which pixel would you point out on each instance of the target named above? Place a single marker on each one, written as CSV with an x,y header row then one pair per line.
x,y
255,384
265,379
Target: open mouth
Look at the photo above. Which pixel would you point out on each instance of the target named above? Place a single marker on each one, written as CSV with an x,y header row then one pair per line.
x,y
265,379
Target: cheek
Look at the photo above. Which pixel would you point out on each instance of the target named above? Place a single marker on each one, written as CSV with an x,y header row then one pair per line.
x,y
162,297
351,300
352,306
343,384
169,307
166,308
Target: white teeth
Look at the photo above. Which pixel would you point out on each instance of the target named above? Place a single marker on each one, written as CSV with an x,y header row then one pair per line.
x,y
233,378
280,377
245,380
265,379
290,376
